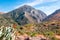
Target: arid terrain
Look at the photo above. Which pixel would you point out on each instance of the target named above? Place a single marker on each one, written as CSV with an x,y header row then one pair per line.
x,y
28,23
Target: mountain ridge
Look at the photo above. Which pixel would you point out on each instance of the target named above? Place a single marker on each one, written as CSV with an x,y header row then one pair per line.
x,y
18,15
54,16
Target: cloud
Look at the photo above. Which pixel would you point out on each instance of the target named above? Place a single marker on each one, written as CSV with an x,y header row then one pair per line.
x,y
36,2
49,0
49,9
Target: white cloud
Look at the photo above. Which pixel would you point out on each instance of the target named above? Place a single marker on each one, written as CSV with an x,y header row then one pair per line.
x,y
49,0
35,2
49,9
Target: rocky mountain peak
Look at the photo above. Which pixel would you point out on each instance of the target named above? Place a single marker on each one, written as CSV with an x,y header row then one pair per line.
x,y
26,14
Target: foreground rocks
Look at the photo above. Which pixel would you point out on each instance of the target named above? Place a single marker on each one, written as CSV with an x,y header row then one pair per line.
x,y
29,38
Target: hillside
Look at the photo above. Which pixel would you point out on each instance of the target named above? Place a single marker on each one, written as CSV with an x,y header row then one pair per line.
x,y
5,21
45,31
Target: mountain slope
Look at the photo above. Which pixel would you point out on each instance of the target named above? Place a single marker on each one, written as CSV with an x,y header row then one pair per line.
x,y
6,21
26,14
54,16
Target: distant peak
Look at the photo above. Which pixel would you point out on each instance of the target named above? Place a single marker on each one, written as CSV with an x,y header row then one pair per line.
x,y
58,10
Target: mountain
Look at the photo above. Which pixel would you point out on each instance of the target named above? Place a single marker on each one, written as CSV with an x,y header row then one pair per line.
x,y
26,14
54,16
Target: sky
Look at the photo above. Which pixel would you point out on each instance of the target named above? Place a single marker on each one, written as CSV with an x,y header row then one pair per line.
x,y
47,6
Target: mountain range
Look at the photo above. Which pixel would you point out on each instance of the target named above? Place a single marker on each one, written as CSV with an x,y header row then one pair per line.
x,y
28,23
27,14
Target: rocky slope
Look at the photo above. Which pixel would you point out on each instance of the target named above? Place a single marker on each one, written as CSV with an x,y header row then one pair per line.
x,y
26,14
54,16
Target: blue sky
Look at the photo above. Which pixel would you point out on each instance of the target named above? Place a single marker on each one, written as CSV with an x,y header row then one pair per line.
x,y
47,6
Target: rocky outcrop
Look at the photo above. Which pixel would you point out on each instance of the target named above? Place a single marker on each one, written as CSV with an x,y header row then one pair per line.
x,y
30,38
